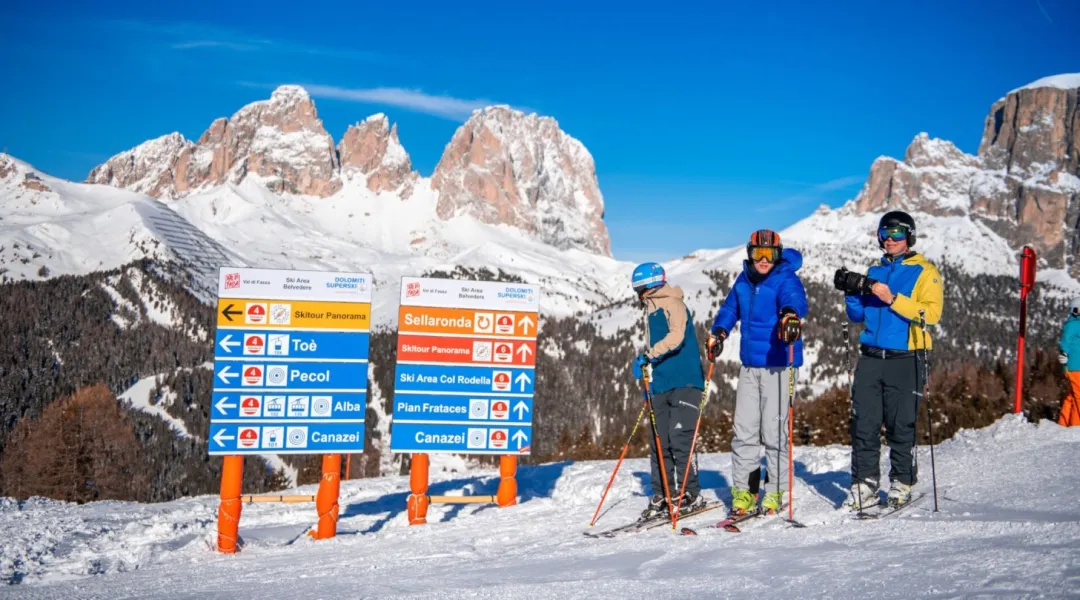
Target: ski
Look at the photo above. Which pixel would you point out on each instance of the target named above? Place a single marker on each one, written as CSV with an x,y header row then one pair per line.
x,y
885,510
650,523
728,524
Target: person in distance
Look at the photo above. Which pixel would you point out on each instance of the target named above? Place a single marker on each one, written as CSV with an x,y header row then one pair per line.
x,y
1069,355
896,300
676,385
769,300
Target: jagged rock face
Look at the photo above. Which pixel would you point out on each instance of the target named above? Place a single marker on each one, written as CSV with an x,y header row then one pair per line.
x,y
280,140
372,149
1023,184
504,167
1033,127
149,168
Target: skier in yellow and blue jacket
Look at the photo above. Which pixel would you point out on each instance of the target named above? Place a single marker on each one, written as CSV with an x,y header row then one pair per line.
x,y
899,297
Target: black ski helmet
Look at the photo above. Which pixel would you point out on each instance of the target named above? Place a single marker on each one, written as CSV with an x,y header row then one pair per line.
x,y
901,218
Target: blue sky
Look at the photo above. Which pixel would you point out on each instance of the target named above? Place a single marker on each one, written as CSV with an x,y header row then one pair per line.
x,y
706,120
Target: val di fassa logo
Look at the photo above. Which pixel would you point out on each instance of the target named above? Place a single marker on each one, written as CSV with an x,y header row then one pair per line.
x,y
234,281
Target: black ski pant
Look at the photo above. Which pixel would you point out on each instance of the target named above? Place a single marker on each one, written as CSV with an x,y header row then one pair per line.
x,y
887,390
676,416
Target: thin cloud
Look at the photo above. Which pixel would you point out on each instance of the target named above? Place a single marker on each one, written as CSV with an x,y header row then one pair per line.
x,y
239,47
201,36
816,194
1043,10
839,183
447,107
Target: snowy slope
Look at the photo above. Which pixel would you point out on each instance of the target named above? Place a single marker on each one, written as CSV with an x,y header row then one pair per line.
x,y
1004,529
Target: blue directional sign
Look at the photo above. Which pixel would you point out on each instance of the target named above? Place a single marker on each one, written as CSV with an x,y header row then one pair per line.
x,y
466,371
465,409
466,380
465,438
265,437
290,362
277,345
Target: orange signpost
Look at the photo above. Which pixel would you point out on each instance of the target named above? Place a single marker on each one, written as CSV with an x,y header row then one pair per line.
x,y
465,379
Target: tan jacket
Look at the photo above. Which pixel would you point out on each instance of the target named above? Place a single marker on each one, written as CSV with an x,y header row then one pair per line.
x,y
670,300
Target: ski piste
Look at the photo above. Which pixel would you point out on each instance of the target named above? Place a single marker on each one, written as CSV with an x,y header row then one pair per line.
x,y
651,523
882,511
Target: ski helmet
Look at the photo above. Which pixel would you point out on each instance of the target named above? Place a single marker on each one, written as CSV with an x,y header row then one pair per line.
x,y
1074,306
648,276
769,243
896,218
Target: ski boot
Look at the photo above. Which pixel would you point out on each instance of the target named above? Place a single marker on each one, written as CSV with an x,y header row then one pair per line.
x,y
742,502
657,506
690,503
899,494
863,495
772,502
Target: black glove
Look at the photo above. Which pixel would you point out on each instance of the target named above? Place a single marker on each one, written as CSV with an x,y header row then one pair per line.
x,y
790,326
715,344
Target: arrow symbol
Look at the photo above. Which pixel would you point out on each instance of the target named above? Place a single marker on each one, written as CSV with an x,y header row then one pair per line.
x,y
520,437
525,323
522,379
521,409
225,375
229,312
524,351
220,436
221,405
227,343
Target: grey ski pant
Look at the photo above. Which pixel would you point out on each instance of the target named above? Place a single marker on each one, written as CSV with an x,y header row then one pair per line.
x,y
761,419
885,391
676,415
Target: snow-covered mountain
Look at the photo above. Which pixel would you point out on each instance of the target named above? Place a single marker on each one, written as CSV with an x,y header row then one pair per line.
x,y
267,187
502,166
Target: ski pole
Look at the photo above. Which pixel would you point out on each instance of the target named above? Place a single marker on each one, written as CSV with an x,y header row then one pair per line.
x,y
926,394
641,414
791,430
693,442
656,439
847,352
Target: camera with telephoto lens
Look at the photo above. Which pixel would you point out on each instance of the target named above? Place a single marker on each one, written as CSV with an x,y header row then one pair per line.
x,y
851,283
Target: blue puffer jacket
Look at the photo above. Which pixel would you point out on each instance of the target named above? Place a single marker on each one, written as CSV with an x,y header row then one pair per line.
x,y
758,307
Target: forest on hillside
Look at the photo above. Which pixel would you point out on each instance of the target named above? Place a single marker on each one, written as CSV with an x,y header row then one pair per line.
x,y
78,342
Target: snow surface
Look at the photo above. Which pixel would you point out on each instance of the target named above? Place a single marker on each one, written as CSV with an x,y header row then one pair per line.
x,y
139,397
1064,81
1004,529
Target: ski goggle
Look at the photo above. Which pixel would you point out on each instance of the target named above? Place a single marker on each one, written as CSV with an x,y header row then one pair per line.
x,y
769,253
895,233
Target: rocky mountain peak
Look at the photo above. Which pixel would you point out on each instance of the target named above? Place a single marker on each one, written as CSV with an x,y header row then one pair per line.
x,y
502,166
372,149
281,141
505,167
1023,183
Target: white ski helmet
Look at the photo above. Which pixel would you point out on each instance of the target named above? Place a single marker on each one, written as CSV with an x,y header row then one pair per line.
x,y
1074,306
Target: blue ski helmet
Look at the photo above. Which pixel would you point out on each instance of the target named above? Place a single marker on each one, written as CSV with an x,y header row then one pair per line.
x,y
648,276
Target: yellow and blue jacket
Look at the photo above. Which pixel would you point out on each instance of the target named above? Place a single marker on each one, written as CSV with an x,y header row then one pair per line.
x,y
917,285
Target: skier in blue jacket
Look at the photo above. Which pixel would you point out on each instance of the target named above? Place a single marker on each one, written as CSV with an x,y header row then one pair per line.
x,y
769,300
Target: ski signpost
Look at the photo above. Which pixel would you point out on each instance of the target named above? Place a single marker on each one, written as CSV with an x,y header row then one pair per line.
x,y
290,372
290,362
465,375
